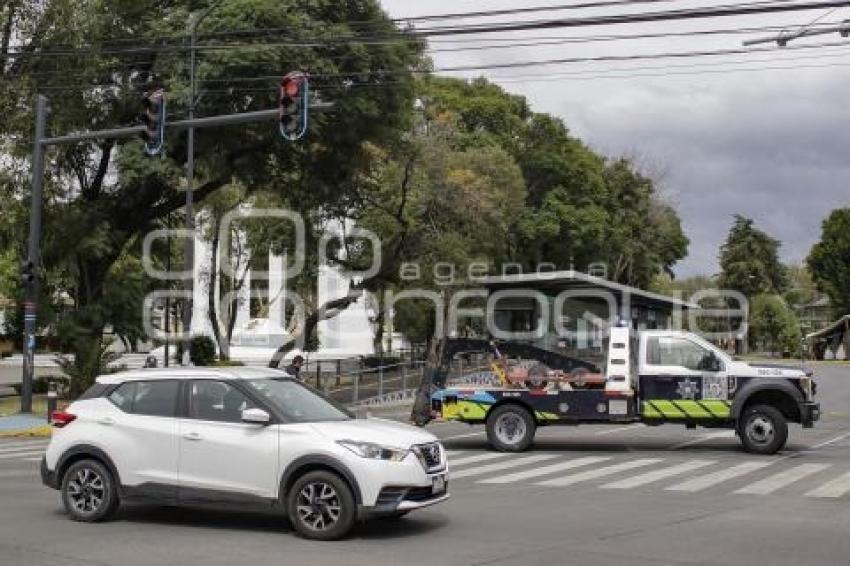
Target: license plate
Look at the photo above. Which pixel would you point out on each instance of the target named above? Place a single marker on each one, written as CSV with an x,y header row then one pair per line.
x,y
438,485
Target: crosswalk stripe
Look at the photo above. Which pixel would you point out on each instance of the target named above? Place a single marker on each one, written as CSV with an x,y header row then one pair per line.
x,y
514,463
36,459
550,469
15,445
477,458
453,453
782,479
835,488
21,454
657,475
708,480
599,472
22,449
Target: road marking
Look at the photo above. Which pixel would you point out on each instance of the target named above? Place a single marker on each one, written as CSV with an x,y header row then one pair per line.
x,y
830,441
705,438
621,429
545,470
514,463
22,449
37,459
715,478
478,458
22,454
657,475
782,479
452,453
455,437
11,445
835,488
599,472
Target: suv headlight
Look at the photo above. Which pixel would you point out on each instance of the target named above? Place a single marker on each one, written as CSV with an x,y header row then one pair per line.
x,y
374,451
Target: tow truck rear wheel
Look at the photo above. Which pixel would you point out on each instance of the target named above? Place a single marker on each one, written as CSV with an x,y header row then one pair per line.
x,y
762,429
510,428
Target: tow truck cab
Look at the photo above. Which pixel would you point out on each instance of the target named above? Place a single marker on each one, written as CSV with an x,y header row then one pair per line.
x,y
652,376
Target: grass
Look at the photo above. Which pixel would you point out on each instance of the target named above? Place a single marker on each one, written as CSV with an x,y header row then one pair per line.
x,y
12,405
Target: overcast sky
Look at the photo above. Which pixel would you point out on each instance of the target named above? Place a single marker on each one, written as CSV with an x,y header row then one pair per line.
x,y
770,144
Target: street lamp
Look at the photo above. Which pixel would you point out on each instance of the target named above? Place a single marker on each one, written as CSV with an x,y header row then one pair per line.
x,y
194,21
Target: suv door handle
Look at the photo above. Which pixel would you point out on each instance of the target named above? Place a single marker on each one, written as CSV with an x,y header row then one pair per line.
x,y
192,436
106,420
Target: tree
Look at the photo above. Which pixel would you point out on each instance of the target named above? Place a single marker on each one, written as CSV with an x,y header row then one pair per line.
x,y
580,207
749,261
773,326
829,259
104,195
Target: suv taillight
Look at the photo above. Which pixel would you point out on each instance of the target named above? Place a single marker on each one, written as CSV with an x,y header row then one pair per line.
x,y
61,418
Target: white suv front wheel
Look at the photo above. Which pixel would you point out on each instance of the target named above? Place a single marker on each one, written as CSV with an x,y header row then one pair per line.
x,y
89,493
321,506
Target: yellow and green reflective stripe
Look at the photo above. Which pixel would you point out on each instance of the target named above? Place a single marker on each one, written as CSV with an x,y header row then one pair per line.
x,y
650,412
668,409
544,416
686,409
719,409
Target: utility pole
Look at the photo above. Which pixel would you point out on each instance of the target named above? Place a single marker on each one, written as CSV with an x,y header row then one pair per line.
x,y
33,254
189,266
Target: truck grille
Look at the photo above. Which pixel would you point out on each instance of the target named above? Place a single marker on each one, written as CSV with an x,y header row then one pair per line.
x,y
430,456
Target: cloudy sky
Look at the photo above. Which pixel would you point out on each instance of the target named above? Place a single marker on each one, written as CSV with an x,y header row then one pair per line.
x,y
724,134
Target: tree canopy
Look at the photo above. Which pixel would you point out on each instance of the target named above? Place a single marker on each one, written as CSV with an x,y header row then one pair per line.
x,y
829,259
749,260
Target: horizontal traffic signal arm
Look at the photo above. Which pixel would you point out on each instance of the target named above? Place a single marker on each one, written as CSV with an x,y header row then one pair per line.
x,y
206,122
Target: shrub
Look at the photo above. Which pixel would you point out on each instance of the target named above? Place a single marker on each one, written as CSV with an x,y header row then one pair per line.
x,y
202,351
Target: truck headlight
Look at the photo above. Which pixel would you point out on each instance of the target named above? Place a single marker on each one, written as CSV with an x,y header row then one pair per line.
x,y
374,451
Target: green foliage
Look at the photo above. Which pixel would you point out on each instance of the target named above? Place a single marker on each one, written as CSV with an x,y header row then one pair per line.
x,y
829,259
579,208
103,196
802,289
202,351
749,261
92,357
773,327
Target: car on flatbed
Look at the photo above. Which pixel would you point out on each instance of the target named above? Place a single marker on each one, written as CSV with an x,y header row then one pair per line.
x,y
237,437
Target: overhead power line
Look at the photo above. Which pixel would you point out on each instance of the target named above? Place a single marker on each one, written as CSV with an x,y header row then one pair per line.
x,y
728,10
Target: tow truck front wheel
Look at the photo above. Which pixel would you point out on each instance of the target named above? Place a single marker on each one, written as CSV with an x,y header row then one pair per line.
x,y
762,429
510,428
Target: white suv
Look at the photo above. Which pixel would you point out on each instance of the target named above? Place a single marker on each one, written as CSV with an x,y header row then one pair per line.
x,y
234,436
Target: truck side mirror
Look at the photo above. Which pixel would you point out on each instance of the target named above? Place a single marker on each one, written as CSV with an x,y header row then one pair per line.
x,y
710,362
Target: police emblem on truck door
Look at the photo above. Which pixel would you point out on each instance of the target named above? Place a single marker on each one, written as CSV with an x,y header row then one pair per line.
x,y
715,387
687,389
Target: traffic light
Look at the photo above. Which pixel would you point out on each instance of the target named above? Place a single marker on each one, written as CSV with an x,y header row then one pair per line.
x,y
27,272
154,120
293,103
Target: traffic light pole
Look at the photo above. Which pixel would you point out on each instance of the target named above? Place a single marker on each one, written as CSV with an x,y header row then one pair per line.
x,y
33,254
41,143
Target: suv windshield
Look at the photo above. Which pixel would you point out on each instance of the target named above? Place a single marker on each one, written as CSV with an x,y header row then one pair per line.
x,y
298,403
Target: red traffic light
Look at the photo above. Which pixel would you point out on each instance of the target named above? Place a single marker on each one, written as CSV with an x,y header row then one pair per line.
x,y
291,87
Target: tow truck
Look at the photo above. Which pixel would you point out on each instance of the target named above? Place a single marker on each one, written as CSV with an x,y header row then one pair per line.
x,y
653,377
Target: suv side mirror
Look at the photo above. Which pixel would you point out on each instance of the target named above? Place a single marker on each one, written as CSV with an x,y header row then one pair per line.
x,y
256,416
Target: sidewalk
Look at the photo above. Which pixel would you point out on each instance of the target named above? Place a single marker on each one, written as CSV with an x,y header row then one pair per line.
x,y
24,425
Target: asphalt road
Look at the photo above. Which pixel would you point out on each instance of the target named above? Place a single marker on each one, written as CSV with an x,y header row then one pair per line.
x,y
583,496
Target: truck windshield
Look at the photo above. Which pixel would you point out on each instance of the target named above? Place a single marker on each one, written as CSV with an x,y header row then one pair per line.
x,y
298,403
